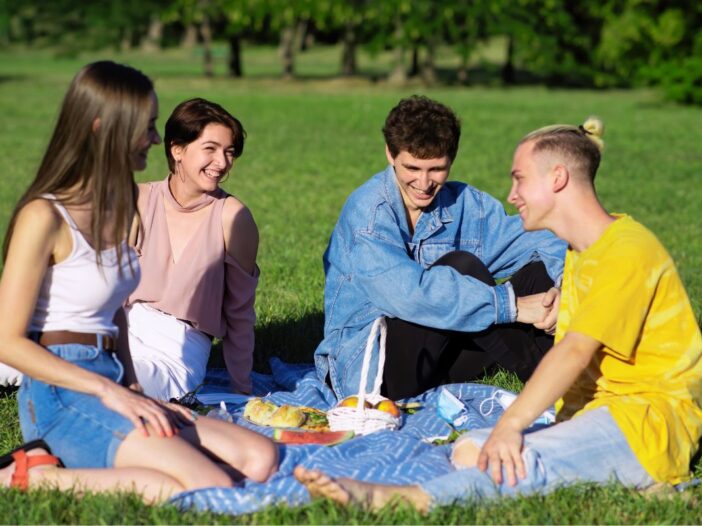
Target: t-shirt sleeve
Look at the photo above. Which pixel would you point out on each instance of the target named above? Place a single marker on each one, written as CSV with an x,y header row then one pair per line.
x,y
621,285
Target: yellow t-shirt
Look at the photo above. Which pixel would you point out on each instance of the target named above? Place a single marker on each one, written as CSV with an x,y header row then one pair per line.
x,y
625,292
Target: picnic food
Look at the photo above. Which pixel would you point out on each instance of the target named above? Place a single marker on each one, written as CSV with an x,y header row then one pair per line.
x,y
259,411
352,401
265,413
328,438
287,416
315,420
389,407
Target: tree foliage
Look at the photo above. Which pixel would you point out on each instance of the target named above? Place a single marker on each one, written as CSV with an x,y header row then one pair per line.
x,y
607,43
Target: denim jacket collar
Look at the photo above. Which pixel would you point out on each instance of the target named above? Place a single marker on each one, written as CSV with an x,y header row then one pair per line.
x,y
430,220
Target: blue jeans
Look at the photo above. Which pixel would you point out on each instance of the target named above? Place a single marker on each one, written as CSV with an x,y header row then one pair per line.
x,y
78,428
588,448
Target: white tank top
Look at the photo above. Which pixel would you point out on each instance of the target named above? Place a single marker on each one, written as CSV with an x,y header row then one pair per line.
x,y
77,295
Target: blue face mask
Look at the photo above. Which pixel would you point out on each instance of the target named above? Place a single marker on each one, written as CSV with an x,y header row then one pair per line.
x,y
451,408
505,399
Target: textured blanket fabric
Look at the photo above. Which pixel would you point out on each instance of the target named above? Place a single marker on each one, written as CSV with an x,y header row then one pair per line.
x,y
391,457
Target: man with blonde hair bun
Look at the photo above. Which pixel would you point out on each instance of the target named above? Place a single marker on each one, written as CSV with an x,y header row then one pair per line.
x,y
625,370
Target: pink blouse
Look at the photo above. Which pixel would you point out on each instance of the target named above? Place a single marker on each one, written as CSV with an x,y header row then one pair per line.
x,y
206,286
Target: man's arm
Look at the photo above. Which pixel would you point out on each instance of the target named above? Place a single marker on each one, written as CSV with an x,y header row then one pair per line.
x,y
438,297
556,372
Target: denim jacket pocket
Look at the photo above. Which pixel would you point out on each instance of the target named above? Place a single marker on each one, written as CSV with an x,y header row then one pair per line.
x,y
429,253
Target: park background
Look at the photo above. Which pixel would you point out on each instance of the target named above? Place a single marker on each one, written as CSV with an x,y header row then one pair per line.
x,y
312,81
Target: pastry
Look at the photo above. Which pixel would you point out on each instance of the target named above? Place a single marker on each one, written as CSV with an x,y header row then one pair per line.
x,y
287,416
259,411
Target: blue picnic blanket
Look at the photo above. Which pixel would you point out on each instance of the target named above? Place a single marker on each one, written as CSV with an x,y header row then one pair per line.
x,y
391,457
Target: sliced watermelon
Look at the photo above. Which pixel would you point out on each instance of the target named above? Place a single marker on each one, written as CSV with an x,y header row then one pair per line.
x,y
325,438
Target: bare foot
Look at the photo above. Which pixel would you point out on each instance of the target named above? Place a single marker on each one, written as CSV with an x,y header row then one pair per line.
x,y
368,495
7,472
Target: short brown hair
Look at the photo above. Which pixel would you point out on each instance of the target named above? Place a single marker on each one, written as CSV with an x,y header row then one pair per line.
x,y
423,127
190,118
583,144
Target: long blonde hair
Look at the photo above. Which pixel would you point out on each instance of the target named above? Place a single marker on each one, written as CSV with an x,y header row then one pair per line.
x,y
582,144
96,162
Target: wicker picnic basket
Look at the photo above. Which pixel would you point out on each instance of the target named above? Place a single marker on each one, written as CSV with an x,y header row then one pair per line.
x,y
360,419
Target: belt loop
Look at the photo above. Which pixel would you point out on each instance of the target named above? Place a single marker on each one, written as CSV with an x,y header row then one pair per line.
x,y
100,341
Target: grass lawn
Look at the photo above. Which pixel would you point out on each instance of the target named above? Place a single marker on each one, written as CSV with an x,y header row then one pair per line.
x,y
310,143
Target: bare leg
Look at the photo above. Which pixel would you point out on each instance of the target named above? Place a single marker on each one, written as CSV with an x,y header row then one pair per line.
x,y
368,495
254,456
173,456
152,486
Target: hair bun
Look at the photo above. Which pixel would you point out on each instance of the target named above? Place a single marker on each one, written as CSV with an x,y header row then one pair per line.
x,y
593,127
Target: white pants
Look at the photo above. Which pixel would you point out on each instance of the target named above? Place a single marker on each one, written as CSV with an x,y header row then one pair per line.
x,y
170,356
9,376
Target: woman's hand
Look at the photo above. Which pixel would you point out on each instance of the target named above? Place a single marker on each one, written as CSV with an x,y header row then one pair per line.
x,y
141,410
503,448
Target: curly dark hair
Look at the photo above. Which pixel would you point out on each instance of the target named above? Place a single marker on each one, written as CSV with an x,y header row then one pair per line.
x,y
423,127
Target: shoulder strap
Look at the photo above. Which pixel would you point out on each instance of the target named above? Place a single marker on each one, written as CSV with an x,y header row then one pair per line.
x,y
61,209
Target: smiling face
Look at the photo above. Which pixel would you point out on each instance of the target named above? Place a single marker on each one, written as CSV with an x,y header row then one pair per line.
x,y
204,162
139,157
532,190
420,180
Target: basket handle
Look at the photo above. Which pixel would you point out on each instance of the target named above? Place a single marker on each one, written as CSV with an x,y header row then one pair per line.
x,y
378,324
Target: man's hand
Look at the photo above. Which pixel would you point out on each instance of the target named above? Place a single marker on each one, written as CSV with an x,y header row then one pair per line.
x,y
551,301
503,448
530,309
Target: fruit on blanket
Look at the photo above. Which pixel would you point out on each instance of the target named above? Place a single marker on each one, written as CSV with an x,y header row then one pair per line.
x,y
388,406
324,438
352,401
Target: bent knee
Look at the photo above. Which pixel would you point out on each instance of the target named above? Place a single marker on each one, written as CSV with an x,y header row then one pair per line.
x,y
465,454
262,462
467,264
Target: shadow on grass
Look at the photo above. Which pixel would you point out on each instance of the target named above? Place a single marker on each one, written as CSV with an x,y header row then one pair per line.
x,y
6,391
12,78
291,340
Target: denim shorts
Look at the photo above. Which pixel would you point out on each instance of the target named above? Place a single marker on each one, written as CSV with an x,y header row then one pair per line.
x,y
78,428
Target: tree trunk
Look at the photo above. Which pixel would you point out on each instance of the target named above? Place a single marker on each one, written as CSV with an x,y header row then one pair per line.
x,y
235,69
398,75
206,35
428,66
300,39
462,73
287,53
189,37
152,42
348,50
414,66
125,43
508,76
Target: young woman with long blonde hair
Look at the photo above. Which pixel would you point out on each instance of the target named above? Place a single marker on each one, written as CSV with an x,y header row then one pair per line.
x,y
68,270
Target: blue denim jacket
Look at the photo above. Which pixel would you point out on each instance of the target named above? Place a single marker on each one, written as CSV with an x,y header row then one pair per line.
x,y
375,267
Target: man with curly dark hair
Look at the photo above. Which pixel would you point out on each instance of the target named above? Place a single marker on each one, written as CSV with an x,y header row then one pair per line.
x,y
425,253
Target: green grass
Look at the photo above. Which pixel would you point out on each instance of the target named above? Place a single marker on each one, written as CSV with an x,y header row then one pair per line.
x,y
310,143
